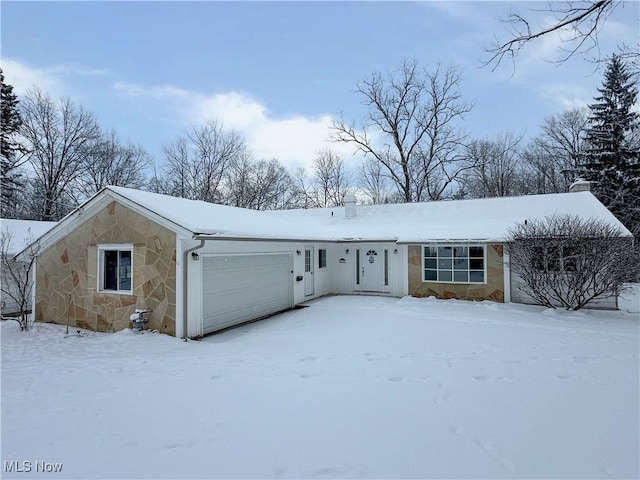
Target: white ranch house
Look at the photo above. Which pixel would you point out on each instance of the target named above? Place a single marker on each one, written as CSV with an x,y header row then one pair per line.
x,y
203,267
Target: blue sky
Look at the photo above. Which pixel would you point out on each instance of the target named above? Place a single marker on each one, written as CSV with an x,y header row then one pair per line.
x,y
278,72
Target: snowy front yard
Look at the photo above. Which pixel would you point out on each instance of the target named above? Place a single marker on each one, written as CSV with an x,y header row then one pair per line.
x,y
350,387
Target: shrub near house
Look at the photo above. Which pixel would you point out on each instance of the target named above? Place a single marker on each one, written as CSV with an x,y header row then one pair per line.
x,y
568,261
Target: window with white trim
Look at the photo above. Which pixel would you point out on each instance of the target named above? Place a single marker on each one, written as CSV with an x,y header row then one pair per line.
x,y
322,258
115,269
454,263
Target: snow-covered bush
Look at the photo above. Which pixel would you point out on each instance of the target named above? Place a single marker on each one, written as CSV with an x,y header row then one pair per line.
x,y
566,261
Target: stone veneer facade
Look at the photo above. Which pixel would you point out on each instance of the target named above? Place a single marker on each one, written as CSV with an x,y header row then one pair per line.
x,y
67,277
492,290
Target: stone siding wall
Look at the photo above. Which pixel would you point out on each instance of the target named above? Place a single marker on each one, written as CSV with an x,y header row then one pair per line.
x,y
67,274
492,290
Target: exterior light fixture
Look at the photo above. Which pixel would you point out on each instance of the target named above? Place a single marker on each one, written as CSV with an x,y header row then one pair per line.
x,y
195,256
347,251
298,252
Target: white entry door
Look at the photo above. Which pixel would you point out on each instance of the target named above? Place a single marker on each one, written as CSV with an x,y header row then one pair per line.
x,y
308,271
374,268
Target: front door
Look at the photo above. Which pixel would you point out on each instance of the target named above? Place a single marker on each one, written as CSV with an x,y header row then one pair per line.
x,y
374,268
308,271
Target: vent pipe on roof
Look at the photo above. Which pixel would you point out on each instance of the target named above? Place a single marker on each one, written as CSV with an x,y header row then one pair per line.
x,y
349,206
580,185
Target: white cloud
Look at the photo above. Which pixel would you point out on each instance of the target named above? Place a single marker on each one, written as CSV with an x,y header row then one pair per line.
x,y
155,91
566,95
294,140
24,77
54,80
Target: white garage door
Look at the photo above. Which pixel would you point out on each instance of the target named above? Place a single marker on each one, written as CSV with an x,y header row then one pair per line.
x,y
239,288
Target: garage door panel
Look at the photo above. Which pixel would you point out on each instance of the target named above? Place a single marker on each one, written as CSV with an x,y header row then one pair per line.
x,y
239,288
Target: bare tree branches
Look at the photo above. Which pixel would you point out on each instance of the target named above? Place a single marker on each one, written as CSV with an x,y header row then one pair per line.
x,y
259,185
330,178
16,275
578,22
568,262
327,184
196,163
495,168
112,163
554,157
375,184
411,128
58,136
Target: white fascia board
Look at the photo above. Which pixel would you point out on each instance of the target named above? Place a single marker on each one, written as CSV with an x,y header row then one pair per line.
x,y
90,208
422,241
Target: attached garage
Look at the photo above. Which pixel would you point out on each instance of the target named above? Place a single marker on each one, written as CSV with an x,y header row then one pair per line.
x,y
239,288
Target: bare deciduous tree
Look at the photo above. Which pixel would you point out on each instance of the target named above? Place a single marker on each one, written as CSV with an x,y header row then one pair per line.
x,y
196,163
112,163
495,168
375,184
578,23
302,190
412,128
330,179
568,262
17,283
326,186
58,135
554,157
261,185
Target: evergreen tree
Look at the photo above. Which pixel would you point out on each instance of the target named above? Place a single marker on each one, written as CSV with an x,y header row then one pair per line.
x,y
612,159
10,123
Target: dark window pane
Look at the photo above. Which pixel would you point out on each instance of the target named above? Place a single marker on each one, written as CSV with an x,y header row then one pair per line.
x,y
357,267
476,264
476,252
538,258
430,263
445,263
570,259
125,271
553,259
444,276
477,277
461,264
322,258
460,252
430,275
386,267
110,281
459,276
430,251
445,251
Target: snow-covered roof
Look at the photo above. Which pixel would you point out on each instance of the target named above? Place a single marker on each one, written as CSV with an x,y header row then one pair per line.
x,y
23,232
486,219
207,218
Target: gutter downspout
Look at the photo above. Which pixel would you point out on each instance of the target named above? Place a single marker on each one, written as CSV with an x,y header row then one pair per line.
x,y
185,283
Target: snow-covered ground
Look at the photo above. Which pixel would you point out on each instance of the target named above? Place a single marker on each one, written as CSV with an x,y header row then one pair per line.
x,y
350,387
